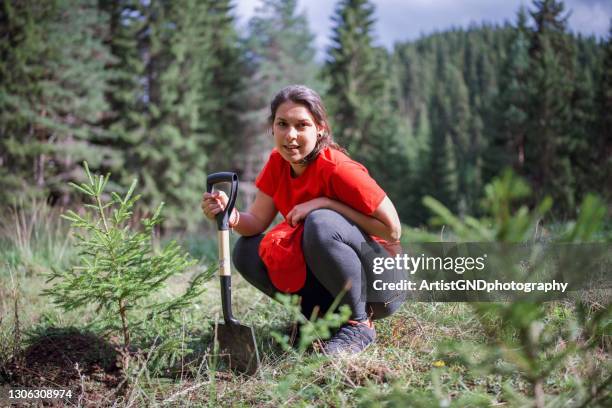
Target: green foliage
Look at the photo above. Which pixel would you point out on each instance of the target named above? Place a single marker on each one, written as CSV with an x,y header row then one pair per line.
x,y
600,149
118,269
517,96
506,146
168,92
315,328
52,91
169,156
145,88
354,72
550,105
528,344
280,47
33,236
435,398
503,221
448,84
224,88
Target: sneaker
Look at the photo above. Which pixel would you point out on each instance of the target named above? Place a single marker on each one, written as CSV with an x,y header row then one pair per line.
x,y
352,338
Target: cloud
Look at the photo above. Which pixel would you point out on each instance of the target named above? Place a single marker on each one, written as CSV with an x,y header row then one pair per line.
x,y
404,20
401,21
590,16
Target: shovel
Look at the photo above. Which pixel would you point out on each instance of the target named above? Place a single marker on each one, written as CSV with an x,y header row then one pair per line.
x,y
236,341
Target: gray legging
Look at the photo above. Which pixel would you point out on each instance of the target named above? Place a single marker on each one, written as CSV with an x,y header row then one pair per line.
x,y
334,253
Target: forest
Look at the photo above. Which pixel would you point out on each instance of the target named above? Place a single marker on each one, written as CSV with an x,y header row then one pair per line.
x,y
114,112
167,92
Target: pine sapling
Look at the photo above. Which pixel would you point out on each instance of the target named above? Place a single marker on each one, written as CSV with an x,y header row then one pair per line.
x,y
118,268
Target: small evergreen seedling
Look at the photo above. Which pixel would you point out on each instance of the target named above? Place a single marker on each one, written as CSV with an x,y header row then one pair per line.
x,y
118,267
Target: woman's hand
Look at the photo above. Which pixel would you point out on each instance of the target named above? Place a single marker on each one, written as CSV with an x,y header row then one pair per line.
x,y
301,211
213,203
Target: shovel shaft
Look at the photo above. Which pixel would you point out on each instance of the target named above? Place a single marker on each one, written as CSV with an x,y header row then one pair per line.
x,y
224,253
225,276
226,300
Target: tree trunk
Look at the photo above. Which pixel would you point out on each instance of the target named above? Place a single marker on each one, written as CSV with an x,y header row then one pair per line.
x,y
124,323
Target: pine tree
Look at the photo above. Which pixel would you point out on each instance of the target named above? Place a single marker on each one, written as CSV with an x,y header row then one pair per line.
x,y
280,52
356,82
162,54
466,145
585,141
173,153
547,150
605,97
119,270
440,172
507,145
125,120
601,150
281,47
363,100
224,88
125,92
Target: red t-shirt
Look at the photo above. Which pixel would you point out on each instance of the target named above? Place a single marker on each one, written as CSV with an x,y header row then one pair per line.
x,y
334,175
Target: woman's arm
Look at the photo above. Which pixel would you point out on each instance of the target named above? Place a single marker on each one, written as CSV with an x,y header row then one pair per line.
x,y
384,221
252,222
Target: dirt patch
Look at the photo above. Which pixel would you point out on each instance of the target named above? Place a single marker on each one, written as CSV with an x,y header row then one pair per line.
x,y
68,358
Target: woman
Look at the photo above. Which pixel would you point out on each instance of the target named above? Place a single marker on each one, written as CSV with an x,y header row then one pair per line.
x,y
332,209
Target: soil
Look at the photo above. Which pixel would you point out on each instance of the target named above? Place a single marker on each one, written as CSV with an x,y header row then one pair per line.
x,y
67,358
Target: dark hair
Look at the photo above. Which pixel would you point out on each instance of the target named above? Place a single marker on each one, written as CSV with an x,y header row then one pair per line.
x,y
305,96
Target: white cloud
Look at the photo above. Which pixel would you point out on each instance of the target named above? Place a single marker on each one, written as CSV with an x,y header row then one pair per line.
x,y
590,16
401,20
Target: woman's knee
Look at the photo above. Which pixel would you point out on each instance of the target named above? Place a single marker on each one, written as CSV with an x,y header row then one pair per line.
x,y
321,226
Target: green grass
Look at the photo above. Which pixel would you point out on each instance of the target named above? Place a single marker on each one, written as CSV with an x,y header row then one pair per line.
x,y
399,365
409,364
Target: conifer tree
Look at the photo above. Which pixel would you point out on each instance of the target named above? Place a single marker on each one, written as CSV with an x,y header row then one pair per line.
x,y
440,172
585,139
119,270
605,97
547,155
125,120
280,52
173,152
281,47
602,169
466,145
356,82
507,144
161,51
224,88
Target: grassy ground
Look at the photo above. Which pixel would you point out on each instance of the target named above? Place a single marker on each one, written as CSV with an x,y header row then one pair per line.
x,y
409,365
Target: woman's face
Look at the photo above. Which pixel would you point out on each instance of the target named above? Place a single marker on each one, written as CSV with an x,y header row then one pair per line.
x,y
295,132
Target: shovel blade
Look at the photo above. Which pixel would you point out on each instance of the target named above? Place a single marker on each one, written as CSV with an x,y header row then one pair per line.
x,y
237,344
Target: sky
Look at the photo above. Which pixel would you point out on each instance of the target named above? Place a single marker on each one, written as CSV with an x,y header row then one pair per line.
x,y
402,20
